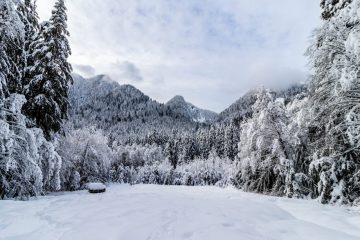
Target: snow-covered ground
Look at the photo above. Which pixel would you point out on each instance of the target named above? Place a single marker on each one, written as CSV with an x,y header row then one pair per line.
x,y
147,212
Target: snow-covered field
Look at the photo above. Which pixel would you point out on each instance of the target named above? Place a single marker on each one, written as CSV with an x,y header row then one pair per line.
x,y
147,212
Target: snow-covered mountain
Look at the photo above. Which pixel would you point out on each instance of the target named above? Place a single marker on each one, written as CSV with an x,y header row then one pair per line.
x,y
180,107
125,112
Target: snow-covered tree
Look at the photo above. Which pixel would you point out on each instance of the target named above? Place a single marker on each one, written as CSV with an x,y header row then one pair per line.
x,y
266,154
4,69
335,95
331,7
29,164
86,157
171,152
11,41
27,13
298,129
231,140
47,91
20,171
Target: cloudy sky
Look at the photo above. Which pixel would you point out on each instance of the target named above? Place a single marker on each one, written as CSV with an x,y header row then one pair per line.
x,y
209,51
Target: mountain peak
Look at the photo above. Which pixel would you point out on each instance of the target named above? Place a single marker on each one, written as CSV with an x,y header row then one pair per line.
x,y
184,109
177,98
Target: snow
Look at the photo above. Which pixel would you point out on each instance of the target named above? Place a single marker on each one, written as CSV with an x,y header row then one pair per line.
x,y
143,212
95,186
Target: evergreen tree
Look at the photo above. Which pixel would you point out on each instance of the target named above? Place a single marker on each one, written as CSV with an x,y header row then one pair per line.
x,y
171,152
204,143
47,91
231,140
219,140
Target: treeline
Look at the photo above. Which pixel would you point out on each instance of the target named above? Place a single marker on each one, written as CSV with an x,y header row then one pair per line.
x,y
89,158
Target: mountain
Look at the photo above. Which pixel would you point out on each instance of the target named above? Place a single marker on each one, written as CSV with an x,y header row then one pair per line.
x,y
115,102
124,112
181,108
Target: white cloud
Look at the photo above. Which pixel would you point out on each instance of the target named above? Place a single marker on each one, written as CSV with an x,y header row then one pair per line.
x,y
124,71
209,51
84,70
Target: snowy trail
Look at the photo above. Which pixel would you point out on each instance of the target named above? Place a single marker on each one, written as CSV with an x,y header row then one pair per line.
x,y
148,212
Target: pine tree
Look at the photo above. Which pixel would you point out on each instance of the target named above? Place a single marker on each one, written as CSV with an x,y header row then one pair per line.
x,y
219,140
171,152
231,141
47,91
204,143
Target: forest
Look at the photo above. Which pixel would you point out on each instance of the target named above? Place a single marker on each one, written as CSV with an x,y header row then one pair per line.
x,y
59,130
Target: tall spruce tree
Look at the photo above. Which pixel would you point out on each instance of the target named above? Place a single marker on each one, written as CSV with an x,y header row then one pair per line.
x,y
47,91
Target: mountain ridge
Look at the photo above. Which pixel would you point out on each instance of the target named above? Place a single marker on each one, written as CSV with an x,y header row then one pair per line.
x,y
124,112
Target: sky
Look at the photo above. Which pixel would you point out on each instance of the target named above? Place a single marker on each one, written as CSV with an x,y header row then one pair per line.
x,y
209,51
